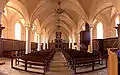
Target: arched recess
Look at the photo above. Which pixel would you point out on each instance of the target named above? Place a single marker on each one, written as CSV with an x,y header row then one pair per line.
x,y
17,31
13,15
100,8
55,28
19,7
62,25
52,34
99,30
23,32
115,20
95,23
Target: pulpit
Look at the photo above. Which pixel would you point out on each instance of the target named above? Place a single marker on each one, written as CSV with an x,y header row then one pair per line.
x,y
85,38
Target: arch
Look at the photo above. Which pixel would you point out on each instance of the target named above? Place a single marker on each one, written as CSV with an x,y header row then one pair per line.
x,y
66,30
99,30
53,16
17,31
72,4
63,26
20,8
67,17
114,16
52,19
102,8
54,29
37,23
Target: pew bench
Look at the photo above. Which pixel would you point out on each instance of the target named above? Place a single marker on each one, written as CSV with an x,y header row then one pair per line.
x,y
35,59
77,59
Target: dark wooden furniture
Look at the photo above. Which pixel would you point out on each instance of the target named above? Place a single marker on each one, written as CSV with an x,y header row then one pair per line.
x,y
9,46
102,44
85,38
98,44
38,58
77,59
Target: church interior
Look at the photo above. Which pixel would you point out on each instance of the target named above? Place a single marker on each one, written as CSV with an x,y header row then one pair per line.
x,y
59,37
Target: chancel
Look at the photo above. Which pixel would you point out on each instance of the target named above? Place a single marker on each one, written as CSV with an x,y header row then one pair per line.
x,y
60,37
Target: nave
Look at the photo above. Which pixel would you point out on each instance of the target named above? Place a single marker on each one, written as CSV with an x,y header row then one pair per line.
x,y
58,67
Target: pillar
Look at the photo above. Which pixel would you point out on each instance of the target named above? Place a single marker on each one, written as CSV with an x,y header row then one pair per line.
x,y
90,47
118,30
39,42
28,39
46,44
0,17
78,42
1,28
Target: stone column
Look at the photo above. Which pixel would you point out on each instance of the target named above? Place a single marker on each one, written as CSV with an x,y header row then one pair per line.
x,y
91,44
46,43
0,17
1,28
77,40
78,43
39,42
28,39
118,30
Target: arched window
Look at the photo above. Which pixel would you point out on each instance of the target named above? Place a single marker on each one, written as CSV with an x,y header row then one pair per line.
x,y
117,21
99,30
17,31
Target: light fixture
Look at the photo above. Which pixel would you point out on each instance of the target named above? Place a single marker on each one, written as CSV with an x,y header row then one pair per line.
x,y
59,10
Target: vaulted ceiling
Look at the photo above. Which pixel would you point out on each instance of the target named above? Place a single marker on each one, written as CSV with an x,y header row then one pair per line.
x,y
75,12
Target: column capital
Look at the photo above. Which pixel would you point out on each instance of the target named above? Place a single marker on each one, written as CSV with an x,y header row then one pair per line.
x,y
28,26
38,33
91,26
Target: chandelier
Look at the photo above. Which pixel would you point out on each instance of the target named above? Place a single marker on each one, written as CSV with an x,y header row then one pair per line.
x,y
58,25
59,10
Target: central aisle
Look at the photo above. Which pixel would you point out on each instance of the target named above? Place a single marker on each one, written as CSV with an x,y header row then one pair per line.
x,y
59,65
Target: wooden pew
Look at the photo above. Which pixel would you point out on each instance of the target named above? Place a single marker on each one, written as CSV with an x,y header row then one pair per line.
x,y
76,58
40,58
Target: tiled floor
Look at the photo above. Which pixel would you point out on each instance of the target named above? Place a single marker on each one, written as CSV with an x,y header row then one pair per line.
x,y
58,67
